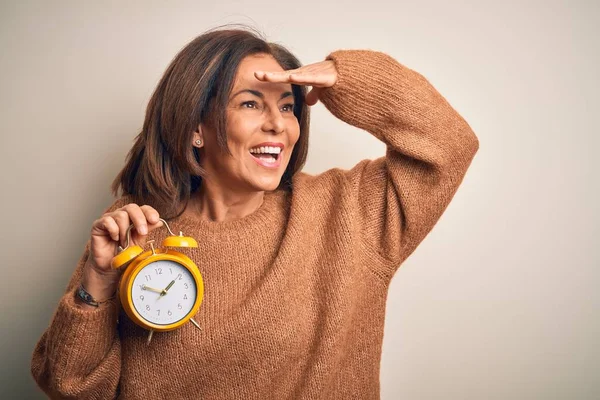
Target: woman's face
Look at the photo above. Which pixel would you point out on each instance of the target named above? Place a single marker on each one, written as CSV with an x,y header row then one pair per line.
x,y
261,131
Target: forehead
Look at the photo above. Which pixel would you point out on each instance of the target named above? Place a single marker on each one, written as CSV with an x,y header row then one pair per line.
x,y
259,62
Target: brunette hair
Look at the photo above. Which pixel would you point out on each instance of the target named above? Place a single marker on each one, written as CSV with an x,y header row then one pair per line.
x,y
162,168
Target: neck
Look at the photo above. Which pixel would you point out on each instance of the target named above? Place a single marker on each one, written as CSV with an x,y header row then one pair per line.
x,y
215,203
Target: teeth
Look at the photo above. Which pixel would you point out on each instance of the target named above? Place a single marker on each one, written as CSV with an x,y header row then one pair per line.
x,y
265,150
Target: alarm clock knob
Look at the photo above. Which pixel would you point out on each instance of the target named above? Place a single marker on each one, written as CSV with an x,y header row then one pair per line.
x,y
126,256
179,241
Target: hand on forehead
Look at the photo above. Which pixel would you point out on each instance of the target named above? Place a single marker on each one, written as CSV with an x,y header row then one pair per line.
x,y
246,76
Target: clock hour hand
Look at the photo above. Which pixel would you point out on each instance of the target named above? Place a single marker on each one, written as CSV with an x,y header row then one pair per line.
x,y
165,290
144,287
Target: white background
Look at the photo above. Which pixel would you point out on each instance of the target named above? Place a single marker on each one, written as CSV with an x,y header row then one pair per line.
x,y
501,301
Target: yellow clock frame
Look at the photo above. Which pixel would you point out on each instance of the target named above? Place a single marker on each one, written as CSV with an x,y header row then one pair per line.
x,y
148,257
136,259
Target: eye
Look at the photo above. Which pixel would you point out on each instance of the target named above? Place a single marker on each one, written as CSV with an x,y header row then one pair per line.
x,y
251,102
290,107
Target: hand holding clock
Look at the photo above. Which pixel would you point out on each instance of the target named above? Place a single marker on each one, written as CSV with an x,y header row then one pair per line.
x,y
107,233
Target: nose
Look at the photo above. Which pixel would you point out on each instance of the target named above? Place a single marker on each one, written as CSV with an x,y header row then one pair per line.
x,y
274,122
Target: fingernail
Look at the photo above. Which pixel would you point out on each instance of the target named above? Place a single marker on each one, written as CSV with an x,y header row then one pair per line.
x,y
143,229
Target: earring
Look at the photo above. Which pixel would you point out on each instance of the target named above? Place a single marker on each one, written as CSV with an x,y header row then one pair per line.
x,y
198,142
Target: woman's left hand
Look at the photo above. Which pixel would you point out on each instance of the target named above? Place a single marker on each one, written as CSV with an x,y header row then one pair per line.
x,y
319,75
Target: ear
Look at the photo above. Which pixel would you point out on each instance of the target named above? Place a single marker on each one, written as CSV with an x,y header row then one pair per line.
x,y
198,137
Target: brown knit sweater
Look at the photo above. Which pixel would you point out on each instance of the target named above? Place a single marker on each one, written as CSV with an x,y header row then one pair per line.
x,y
295,293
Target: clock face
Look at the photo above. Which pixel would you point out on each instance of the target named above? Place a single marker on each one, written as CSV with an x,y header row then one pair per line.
x,y
163,292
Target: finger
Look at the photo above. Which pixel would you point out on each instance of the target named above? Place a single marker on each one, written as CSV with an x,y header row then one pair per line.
x,y
152,217
313,96
264,75
298,78
312,79
138,219
124,217
108,226
260,75
121,217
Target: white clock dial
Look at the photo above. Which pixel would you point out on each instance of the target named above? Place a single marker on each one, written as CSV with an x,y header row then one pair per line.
x,y
163,292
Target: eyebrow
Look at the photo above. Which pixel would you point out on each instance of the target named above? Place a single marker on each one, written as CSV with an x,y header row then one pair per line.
x,y
260,94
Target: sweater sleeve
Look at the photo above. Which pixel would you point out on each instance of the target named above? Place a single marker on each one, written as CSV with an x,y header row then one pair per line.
x,y
79,354
401,196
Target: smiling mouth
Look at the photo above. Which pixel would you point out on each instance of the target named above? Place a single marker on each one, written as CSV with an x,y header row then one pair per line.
x,y
267,157
266,154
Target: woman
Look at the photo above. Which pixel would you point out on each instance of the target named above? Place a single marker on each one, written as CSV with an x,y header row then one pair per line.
x,y
296,267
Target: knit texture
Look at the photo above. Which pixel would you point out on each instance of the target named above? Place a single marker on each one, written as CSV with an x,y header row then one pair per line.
x,y
295,292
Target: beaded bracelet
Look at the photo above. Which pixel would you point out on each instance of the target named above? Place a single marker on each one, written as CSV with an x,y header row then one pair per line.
x,y
88,298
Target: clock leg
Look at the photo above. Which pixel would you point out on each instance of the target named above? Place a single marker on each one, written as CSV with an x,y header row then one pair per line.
x,y
149,336
195,323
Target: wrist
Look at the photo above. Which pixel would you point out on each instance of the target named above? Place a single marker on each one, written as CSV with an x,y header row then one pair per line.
x,y
86,300
100,286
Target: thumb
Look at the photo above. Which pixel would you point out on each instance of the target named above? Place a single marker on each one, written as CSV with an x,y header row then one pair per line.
x,y
313,96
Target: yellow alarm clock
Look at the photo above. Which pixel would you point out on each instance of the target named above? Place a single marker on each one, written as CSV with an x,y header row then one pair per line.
x,y
161,289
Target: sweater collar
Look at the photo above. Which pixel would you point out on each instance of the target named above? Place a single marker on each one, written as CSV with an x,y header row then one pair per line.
x,y
268,214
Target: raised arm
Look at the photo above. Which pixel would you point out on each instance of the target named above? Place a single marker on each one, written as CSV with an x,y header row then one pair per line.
x,y
401,196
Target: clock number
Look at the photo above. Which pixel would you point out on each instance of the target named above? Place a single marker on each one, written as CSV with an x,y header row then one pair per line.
x,y
179,306
185,285
142,297
169,313
148,278
158,271
179,276
158,312
147,308
185,296
171,269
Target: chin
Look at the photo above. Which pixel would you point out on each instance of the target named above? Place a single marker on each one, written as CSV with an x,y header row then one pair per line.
x,y
267,185
270,187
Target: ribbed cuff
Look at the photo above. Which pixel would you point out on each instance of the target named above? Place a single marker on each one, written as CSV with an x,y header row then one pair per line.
x,y
78,339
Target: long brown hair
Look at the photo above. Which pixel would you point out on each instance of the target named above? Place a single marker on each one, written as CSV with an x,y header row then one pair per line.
x,y
162,168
